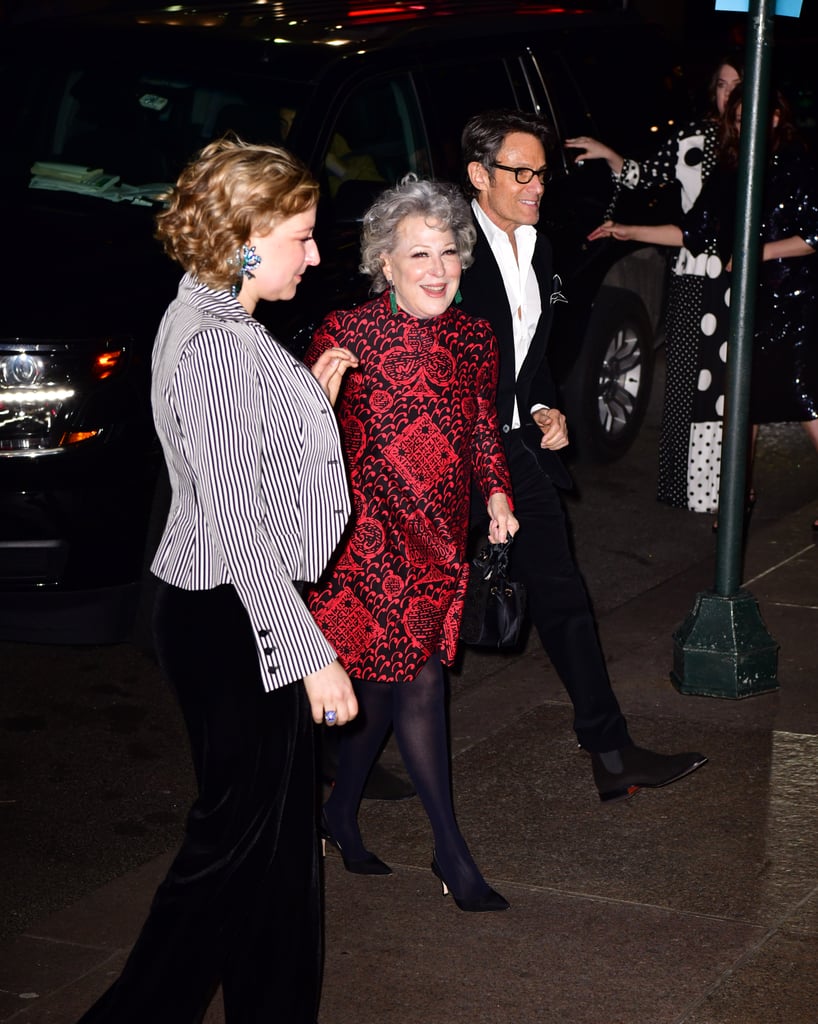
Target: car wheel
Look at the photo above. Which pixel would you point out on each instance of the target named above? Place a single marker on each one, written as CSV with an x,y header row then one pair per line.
x,y
607,392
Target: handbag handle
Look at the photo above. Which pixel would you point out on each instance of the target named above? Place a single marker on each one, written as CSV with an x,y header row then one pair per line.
x,y
492,560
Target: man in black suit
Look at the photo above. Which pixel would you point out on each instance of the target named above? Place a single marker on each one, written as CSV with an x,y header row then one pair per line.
x,y
512,285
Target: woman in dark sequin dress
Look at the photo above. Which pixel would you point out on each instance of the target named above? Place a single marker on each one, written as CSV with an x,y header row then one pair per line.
x,y
784,386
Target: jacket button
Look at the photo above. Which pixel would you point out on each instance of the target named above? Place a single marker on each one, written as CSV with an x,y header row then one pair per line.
x,y
264,632
506,428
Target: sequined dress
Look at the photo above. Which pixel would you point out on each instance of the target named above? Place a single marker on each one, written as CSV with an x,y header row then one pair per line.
x,y
785,346
696,325
418,422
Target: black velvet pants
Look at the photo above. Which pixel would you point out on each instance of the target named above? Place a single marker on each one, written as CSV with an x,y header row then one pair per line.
x,y
240,905
558,603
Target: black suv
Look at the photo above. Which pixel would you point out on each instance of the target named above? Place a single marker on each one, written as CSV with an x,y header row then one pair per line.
x,y
110,106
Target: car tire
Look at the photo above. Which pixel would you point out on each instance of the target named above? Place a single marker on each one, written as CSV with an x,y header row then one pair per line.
x,y
607,392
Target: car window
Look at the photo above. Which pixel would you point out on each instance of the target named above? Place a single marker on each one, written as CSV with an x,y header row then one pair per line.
x,y
454,93
377,139
122,133
629,88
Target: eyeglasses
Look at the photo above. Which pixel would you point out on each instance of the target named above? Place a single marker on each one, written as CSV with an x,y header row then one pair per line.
x,y
522,175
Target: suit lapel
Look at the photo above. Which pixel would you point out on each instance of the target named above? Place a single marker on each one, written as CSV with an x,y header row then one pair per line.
x,y
485,296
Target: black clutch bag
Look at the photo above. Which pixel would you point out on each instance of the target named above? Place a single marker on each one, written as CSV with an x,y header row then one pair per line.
x,y
494,607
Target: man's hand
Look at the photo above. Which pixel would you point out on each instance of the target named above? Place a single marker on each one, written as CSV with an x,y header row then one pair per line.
x,y
554,428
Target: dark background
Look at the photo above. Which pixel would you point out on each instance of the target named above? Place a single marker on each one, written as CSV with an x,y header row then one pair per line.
x,y
699,33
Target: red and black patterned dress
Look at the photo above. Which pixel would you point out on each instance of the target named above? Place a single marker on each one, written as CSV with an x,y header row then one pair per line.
x,y
418,423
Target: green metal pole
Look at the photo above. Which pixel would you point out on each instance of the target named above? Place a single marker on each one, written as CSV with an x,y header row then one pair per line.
x,y
723,649
746,254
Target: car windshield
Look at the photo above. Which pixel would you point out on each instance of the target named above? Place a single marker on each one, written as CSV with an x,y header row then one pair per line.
x,y
124,135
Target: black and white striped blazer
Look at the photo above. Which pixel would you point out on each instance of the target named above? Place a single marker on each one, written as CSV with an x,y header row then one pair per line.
x,y
260,496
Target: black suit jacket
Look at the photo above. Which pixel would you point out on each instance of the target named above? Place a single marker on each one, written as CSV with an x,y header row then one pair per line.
x,y
484,295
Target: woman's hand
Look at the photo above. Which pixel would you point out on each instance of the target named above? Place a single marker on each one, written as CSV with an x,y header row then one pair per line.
x,y
610,229
554,428
594,150
329,689
503,521
329,369
651,234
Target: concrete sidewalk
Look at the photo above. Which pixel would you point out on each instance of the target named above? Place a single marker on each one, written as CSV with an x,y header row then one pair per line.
x,y
695,904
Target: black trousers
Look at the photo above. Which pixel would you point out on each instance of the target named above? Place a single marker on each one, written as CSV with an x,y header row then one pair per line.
x,y
558,602
240,905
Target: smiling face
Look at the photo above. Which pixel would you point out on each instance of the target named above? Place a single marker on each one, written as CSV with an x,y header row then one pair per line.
x,y
286,251
424,267
504,201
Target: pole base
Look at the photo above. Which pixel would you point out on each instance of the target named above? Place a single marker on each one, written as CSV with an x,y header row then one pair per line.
x,y
723,649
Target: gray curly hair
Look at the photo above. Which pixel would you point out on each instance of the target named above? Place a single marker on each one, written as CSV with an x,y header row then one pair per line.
x,y
436,201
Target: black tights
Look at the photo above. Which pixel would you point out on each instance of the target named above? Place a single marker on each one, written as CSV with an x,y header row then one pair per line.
x,y
417,713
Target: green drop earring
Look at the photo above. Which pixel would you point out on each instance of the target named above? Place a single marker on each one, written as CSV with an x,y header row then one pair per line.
x,y
393,302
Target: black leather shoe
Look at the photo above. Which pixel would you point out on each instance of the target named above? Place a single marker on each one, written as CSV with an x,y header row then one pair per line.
x,y
619,774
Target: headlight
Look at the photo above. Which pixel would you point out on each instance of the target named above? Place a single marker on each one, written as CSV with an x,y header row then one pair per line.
x,y
41,387
21,370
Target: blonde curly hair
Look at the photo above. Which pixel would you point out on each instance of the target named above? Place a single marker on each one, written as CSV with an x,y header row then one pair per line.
x,y
228,192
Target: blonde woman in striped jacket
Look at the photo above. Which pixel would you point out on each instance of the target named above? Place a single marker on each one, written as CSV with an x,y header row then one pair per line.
x,y
259,503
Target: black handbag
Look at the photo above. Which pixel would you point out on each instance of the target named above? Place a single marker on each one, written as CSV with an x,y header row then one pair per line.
x,y
494,607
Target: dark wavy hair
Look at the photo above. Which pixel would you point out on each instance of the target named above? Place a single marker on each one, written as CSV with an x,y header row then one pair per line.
x,y
781,134
485,133
734,60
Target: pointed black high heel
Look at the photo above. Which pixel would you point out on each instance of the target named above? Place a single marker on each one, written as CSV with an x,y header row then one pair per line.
x,y
489,900
370,865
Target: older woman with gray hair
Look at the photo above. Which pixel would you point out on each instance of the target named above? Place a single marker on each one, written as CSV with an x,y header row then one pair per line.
x,y
418,425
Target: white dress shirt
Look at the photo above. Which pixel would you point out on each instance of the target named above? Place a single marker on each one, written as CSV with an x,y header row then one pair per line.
x,y
520,282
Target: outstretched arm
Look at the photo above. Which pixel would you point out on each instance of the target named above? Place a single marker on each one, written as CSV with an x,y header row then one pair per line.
x,y
652,234
591,149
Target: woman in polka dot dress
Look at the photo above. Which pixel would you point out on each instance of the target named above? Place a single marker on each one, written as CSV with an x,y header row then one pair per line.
x,y
697,315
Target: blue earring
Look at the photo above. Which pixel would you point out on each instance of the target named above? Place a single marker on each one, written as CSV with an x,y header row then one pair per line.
x,y
249,259
245,259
